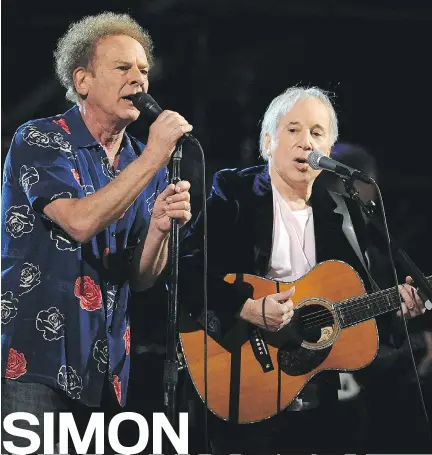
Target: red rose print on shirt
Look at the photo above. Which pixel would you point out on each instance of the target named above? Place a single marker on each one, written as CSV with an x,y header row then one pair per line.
x,y
117,388
126,338
76,175
16,365
62,122
89,293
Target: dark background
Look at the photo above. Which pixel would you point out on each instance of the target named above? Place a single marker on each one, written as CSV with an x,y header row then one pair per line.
x,y
220,63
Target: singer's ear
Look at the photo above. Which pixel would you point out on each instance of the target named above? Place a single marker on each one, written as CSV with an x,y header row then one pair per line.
x,y
267,144
82,81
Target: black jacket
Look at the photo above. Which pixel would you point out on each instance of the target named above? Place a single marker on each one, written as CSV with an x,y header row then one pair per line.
x,y
240,230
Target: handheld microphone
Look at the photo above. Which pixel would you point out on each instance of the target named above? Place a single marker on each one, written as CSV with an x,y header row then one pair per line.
x,y
317,160
146,104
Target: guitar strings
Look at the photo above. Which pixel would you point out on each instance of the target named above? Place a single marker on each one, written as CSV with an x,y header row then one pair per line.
x,y
351,310
329,319
345,304
319,317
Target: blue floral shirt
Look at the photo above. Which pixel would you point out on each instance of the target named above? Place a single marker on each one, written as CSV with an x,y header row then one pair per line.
x,y
64,305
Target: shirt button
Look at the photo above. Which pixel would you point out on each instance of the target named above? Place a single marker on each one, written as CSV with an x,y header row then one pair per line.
x,y
110,329
114,233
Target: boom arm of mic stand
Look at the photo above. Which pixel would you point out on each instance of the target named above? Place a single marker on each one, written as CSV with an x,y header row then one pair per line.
x,y
424,289
171,360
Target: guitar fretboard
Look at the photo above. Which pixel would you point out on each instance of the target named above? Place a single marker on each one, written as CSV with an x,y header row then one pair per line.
x,y
359,309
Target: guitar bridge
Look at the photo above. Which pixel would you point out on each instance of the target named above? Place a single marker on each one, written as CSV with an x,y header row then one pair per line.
x,y
260,349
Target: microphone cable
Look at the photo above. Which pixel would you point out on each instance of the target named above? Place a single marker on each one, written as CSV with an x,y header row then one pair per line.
x,y
390,255
144,102
204,215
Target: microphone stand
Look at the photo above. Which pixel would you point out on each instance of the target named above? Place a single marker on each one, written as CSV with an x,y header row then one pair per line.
x,y
170,377
424,289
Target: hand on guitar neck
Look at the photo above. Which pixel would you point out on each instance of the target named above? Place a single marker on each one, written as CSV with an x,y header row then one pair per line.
x,y
412,304
271,312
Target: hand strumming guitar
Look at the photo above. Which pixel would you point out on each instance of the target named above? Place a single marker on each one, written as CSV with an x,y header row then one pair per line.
x,y
271,312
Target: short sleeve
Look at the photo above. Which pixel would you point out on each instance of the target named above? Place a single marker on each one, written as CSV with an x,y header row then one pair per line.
x,y
43,164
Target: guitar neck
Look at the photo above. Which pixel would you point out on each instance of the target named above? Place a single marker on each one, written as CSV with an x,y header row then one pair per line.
x,y
368,306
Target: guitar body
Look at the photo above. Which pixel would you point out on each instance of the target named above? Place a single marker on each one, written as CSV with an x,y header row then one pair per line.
x,y
238,388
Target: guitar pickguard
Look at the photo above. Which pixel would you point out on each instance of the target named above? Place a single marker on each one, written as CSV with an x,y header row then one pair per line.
x,y
308,338
296,361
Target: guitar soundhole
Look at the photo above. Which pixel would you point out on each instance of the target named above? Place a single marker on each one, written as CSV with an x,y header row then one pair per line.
x,y
307,345
314,323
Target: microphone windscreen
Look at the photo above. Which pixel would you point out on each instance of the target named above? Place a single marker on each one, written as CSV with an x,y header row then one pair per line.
x,y
146,104
313,159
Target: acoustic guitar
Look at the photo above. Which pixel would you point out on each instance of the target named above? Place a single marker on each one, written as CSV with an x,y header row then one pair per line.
x,y
253,374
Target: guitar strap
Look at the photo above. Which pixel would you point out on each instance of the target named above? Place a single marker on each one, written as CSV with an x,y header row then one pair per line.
x,y
348,230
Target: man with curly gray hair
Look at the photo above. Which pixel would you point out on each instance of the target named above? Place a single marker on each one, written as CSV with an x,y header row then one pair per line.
x,y
86,214
76,47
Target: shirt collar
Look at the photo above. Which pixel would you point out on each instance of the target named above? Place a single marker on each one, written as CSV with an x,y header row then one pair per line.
x,y
80,135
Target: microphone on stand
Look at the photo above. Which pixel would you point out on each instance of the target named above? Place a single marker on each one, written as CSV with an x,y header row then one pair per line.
x,y
317,160
146,104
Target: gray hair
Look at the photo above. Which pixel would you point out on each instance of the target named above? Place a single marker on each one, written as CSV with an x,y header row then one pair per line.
x,y
283,103
76,47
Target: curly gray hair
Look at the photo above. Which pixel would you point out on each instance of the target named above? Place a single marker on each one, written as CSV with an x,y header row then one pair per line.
x,y
282,104
75,48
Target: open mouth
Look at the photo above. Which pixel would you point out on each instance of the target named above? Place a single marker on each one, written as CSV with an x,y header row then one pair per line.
x,y
301,164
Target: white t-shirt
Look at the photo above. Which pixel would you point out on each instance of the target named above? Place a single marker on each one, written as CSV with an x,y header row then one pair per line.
x,y
293,255
293,247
